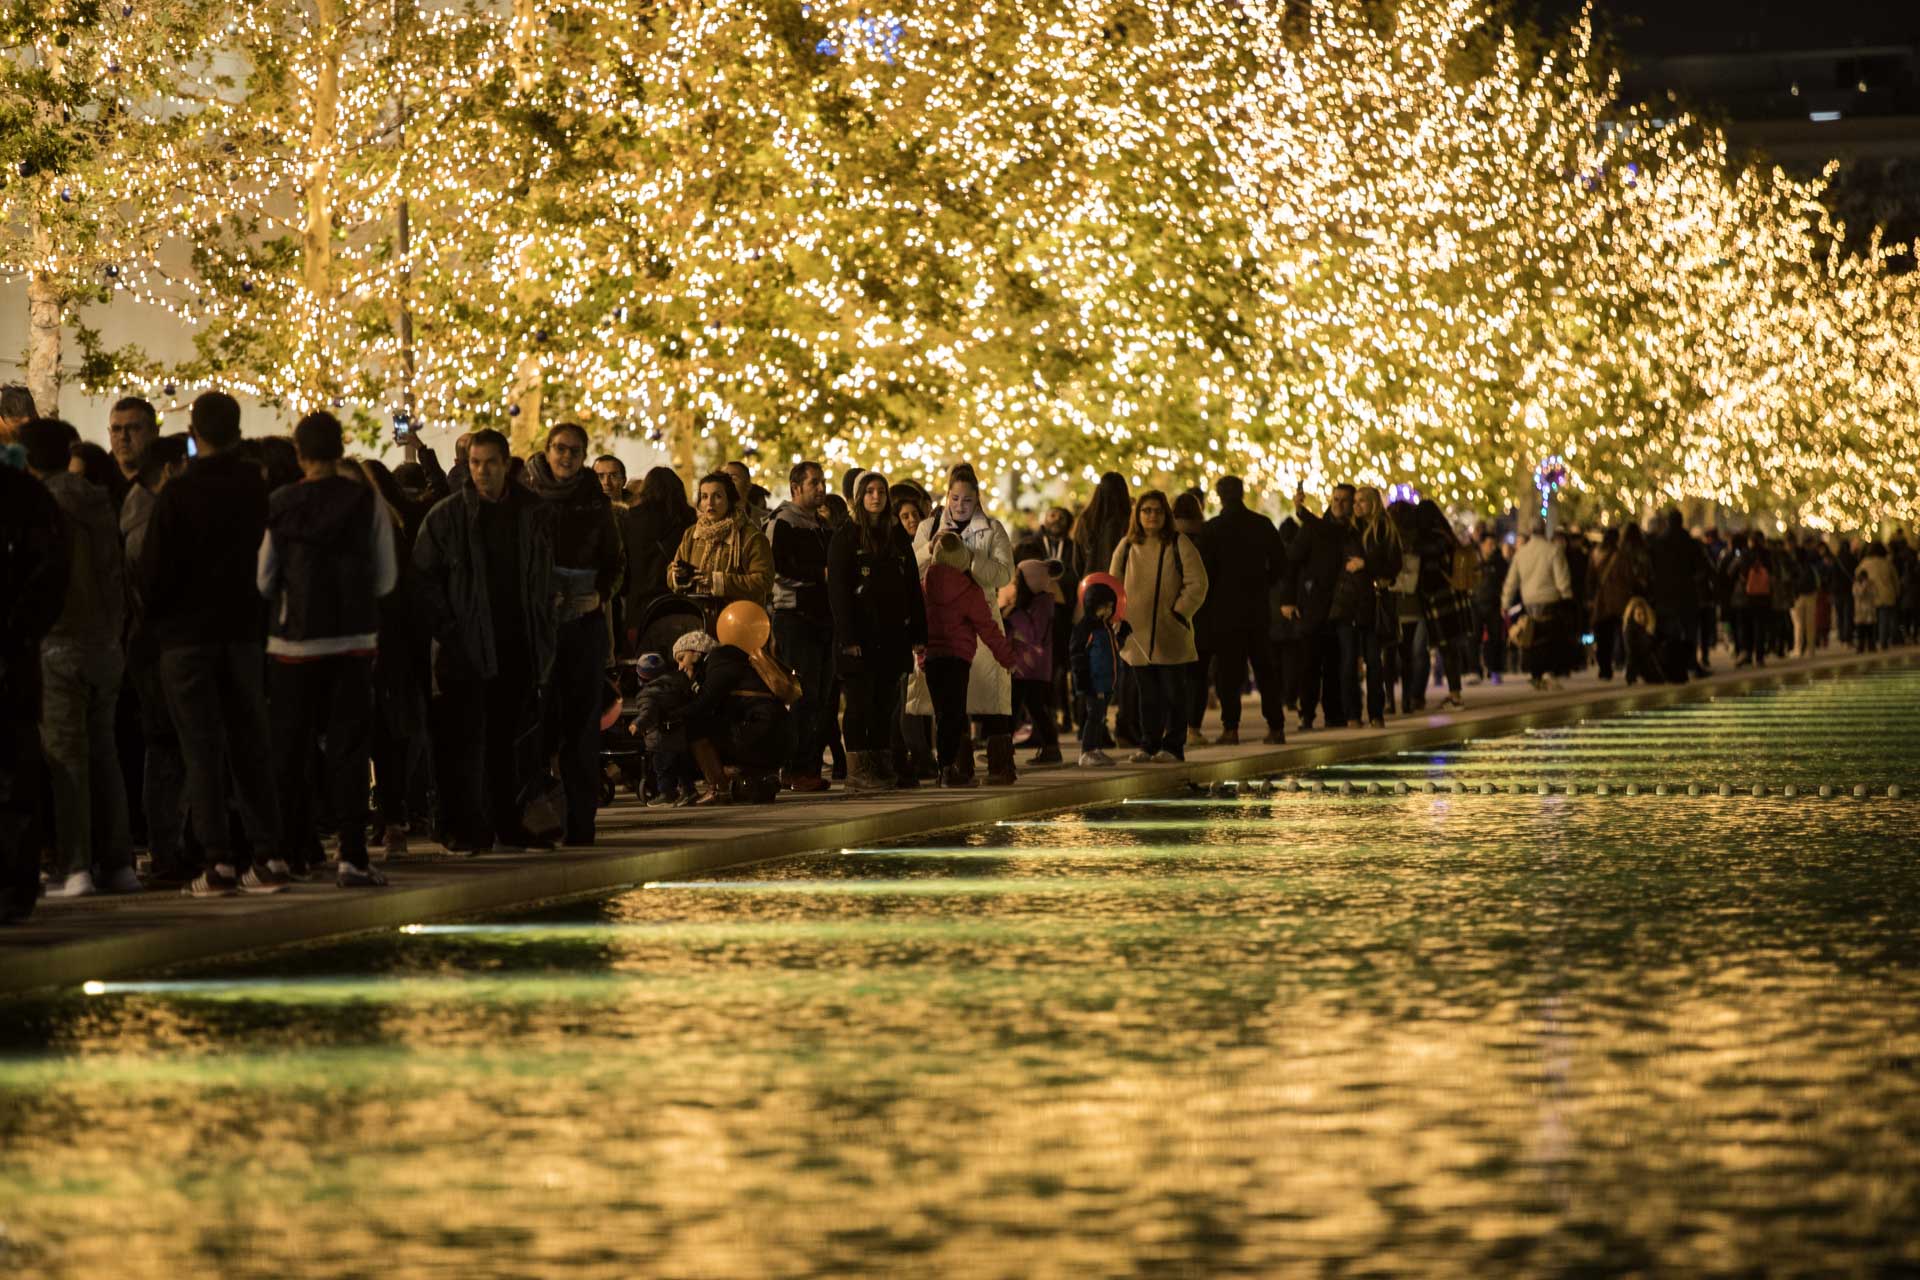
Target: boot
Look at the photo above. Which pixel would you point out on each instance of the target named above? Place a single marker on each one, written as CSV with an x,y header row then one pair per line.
x,y
863,773
958,775
906,775
1000,771
707,757
1045,755
965,762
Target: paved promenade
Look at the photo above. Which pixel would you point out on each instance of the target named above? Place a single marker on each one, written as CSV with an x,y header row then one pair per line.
x,y
71,942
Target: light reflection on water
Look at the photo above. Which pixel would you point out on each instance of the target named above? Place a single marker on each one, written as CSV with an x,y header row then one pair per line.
x,y
1441,1035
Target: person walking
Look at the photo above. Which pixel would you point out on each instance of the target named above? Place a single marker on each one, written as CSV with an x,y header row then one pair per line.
x,y
326,560
990,687
81,666
589,562
1165,581
484,572
1540,582
198,580
1096,667
1244,560
803,617
879,631
1057,545
1364,603
1750,570
1621,567
1883,589
1030,620
723,553
1319,552
1677,566
1449,570
1488,615
1101,528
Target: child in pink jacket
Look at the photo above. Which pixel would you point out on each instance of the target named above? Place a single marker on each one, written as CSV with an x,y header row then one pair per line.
x,y
958,622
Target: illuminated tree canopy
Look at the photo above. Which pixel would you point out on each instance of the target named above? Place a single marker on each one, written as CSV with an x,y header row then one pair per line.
x,y
1304,239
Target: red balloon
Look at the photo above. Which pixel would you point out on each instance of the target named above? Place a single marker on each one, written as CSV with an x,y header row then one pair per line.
x,y
1112,583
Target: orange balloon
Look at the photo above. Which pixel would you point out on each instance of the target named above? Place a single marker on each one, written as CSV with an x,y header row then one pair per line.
x,y
744,625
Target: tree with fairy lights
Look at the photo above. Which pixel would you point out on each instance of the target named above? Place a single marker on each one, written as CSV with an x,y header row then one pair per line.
x,y
96,143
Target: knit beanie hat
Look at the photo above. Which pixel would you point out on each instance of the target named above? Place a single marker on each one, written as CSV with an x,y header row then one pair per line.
x,y
651,665
950,551
1040,574
695,642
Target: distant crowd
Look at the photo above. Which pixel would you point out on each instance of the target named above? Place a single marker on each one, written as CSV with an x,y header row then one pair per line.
x,y
226,650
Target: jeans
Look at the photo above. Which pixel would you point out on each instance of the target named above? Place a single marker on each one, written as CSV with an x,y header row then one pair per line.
x,y
480,727
1231,655
1751,627
1416,663
1320,677
1361,645
807,648
1802,614
1162,720
330,697
217,696
80,693
572,716
1093,729
1886,622
873,697
163,778
947,679
1607,641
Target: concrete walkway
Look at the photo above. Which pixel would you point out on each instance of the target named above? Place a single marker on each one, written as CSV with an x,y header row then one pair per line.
x,y
66,943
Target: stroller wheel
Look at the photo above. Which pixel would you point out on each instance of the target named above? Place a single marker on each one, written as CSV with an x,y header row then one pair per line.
x,y
607,791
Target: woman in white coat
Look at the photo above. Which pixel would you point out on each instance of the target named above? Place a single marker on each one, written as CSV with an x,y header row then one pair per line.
x,y
989,687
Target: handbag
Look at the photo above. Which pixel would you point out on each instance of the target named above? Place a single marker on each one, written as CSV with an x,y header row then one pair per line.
x,y
919,699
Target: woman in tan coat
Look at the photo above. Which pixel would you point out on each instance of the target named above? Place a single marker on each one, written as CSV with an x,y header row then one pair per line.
x,y
723,554
1166,584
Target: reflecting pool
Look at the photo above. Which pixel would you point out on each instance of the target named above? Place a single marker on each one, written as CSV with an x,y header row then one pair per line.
x,y
1370,1035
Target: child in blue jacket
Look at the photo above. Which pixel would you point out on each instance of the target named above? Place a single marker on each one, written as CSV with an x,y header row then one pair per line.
x,y
1096,667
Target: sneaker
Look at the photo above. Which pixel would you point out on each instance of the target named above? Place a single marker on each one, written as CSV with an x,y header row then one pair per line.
x,y
1305,726
281,867
1494,678
214,882
259,880
1106,761
352,877
1142,756
1474,679
1454,702
686,799
1228,738
1088,760
77,885
396,841
1165,757
125,880
1538,682
1195,738
1378,722
664,800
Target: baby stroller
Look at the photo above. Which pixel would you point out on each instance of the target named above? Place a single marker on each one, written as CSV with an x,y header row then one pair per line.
x,y
623,761
669,617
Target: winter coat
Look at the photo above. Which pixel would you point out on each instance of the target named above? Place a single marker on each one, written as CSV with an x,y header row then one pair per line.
x,y
1166,583
734,710
1676,566
1618,576
199,566
658,708
651,534
875,599
449,561
990,689
1356,597
1317,553
799,541
1493,578
1033,625
589,553
1878,571
738,562
1096,656
33,588
1243,558
325,562
959,623
1740,575
95,609
1539,576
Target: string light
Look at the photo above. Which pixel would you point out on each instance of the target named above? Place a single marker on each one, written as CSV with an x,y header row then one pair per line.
x,y
1306,240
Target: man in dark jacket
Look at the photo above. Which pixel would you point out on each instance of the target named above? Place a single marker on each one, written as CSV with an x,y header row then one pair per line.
x,y
82,666
803,617
1319,553
484,560
1676,566
33,588
1242,552
197,576
327,559
589,562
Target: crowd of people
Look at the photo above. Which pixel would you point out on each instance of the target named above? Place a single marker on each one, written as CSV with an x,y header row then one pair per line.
x,y
227,649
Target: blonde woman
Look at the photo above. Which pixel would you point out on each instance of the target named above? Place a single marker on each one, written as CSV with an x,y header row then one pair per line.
x,y
1166,583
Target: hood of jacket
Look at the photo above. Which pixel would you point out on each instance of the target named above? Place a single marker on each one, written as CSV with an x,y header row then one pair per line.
x,y
330,511
792,513
946,584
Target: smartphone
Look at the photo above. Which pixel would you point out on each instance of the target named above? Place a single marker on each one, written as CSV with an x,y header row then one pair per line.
x,y
193,450
402,428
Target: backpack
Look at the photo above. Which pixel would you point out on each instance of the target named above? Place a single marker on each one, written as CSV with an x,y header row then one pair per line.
x,y
1759,580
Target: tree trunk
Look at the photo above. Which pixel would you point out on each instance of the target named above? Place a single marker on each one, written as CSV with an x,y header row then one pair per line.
x,y
44,307
316,241
525,396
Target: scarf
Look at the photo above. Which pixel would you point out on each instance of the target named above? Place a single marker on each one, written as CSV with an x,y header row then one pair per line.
x,y
706,531
538,476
